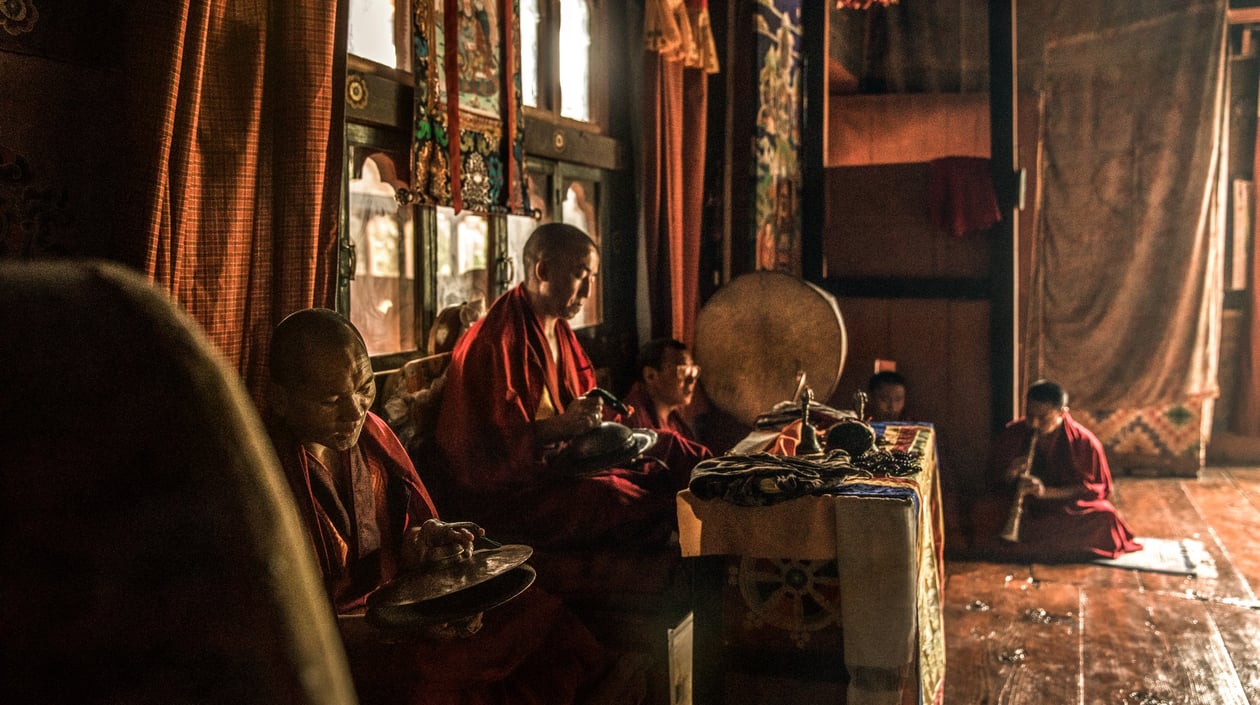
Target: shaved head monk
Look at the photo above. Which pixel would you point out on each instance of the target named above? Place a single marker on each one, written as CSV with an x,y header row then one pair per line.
x,y
369,517
517,387
1059,468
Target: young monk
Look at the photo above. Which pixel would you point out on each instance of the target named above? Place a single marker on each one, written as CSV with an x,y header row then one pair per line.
x,y
517,387
1065,482
887,391
666,385
369,516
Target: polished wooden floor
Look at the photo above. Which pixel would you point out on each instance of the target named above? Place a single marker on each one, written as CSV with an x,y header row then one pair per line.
x,y
1096,635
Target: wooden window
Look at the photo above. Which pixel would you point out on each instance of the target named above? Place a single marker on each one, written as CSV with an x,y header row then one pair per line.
x,y
382,240
380,32
399,268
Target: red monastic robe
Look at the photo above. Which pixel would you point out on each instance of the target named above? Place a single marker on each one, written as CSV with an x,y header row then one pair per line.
x,y
675,437
530,651
1054,530
495,464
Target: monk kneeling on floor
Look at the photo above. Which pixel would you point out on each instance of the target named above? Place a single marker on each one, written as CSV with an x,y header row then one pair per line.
x,y
1059,469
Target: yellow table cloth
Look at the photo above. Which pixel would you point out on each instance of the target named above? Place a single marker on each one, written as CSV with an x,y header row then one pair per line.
x,y
885,535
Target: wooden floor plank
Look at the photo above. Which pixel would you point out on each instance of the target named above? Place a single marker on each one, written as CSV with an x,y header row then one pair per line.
x,y
1157,507
1086,575
1011,641
1153,647
1233,515
1136,638
1167,508
1239,627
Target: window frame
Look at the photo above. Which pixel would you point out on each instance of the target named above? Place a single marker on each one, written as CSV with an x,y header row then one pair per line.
x,y
561,147
549,71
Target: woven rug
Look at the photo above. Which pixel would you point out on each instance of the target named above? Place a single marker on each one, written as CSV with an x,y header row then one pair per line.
x,y
1175,556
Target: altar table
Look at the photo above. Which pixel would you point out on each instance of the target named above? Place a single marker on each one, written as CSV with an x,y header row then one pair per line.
x,y
855,573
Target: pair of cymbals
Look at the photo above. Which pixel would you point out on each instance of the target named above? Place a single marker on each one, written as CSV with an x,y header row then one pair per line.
x,y
453,590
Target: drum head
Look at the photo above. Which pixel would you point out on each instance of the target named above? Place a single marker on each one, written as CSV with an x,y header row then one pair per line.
x,y
757,332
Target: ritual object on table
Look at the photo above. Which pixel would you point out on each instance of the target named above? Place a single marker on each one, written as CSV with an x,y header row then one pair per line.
x,y
809,444
852,436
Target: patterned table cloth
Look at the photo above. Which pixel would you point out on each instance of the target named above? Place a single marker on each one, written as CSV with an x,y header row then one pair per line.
x,y
884,535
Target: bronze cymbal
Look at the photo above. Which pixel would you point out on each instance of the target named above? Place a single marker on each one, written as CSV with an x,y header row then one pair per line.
x,y
449,577
456,606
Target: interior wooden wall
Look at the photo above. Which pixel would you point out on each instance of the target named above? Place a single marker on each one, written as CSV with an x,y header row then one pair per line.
x,y
941,344
877,231
891,128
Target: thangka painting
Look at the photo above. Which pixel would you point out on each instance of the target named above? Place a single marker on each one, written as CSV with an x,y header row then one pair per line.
x,y
777,216
467,151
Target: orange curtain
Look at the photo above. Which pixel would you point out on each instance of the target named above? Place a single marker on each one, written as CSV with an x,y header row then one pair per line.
x,y
232,118
679,56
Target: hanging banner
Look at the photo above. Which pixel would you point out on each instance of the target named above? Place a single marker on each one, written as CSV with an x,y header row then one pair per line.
x,y
468,142
777,185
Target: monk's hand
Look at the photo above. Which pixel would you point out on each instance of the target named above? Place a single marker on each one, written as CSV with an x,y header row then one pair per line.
x,y
580,416
585,413
1031,486
437,541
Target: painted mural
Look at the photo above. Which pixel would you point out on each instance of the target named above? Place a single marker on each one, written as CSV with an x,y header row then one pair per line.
x,y
777,215
478,50
469,153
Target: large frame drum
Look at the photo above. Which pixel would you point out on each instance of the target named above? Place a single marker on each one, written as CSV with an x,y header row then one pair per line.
x,y
756,333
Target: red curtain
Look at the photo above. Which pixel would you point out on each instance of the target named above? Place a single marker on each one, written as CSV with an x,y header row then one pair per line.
x,y
233,114
678,59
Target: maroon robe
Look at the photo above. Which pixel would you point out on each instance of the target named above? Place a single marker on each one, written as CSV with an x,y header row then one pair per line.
x,y
1051,529
675,438
495,466
530,651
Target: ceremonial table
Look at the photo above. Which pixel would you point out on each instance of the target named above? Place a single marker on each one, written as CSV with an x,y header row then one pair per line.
x,y
843,588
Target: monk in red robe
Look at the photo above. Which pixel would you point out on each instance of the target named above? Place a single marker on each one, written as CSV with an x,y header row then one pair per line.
x,y
516,390
1059,467
369,516
666,385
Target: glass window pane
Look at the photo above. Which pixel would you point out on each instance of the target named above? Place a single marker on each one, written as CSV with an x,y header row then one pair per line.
x,y
372,31
382,293
529,52
520,227
580,208
462,242
575,50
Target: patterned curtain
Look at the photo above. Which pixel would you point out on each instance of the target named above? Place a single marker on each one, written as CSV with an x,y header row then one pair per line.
x,y
468,153
197,142
240,216
679,56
